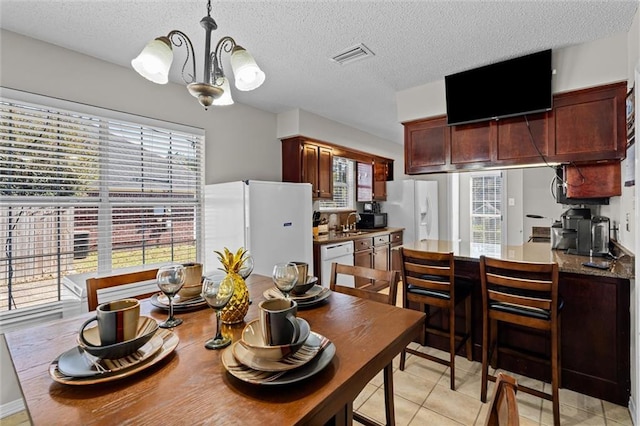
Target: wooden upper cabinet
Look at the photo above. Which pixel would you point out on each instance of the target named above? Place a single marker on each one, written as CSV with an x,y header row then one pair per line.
x,y
593,180
589,124
382,172
473,143
309,163
325,172
516,140
426,145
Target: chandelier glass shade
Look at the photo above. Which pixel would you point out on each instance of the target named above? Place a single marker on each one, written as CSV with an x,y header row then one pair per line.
x,y
154,63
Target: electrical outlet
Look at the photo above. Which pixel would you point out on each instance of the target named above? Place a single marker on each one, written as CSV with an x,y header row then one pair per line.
x,y
512,201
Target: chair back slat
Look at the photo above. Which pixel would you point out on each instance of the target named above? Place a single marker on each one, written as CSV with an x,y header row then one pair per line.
x,y
521,283
530,302
384,288
427,284
95,284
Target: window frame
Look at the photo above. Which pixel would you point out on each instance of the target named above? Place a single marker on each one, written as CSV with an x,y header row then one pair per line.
x,y
104,263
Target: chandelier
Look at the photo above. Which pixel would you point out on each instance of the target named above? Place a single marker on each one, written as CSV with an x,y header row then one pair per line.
x,y
154,61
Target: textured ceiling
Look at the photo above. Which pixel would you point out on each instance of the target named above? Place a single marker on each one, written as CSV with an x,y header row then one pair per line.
x,y
414,42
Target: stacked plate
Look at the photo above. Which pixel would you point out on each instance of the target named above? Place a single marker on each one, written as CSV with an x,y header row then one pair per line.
x,y
161,301
315,295
252,361
78,367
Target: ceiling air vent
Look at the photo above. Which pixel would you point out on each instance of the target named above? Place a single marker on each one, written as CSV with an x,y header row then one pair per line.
x,y
352,54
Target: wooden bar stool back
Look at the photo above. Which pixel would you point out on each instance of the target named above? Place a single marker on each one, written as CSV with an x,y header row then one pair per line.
x,y
504,406
524,294
428,281
380,286
95,284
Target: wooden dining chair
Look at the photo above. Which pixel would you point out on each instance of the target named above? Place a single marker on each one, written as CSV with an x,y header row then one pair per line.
x,y
503,410
524,294
429,282
95,284
380,286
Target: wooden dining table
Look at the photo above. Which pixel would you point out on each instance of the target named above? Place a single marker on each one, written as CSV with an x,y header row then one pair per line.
x,y
191,385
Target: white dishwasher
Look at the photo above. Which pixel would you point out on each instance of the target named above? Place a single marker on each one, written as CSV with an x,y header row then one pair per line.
x,y
338,252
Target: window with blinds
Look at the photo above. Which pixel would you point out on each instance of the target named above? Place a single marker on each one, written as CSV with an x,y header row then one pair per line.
x,y
343,186
486,208
86,192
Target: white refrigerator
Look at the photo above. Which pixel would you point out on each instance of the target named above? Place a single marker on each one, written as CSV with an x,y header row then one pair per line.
x,y
413,205
273,220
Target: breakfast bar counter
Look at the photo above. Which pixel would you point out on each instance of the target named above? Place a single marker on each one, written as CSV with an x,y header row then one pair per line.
x,y
622,268
595,324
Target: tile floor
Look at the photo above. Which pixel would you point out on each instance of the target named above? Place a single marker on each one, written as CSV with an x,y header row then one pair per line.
x,y
423,397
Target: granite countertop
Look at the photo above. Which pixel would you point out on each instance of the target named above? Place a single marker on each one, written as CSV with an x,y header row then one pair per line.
x,y
336,237
623,267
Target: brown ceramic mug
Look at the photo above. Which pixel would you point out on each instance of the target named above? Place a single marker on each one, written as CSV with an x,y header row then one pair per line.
x,y
117,321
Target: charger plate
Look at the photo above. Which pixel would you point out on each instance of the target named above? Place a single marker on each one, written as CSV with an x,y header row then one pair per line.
x,y
76,362
306,353
249,375
169,342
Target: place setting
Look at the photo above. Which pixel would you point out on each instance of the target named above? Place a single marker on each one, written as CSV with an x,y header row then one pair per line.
x,y
305,289
279,347
122,342
188,297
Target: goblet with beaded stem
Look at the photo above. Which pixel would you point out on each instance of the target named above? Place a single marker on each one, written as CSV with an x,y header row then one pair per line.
x,y
217,291
285,276
170,280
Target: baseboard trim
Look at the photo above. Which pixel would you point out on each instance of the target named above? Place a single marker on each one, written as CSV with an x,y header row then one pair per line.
x,y
11,408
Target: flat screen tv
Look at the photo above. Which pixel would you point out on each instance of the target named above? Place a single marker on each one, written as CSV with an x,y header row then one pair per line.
x,y
504,89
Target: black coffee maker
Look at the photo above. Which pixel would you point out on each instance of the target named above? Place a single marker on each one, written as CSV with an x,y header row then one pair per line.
x,y
576,222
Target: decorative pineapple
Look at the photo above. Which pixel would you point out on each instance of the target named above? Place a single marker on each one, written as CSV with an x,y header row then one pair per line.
x,y
238,305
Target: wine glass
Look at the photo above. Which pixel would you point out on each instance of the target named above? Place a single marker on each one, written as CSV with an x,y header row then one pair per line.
x,y
247,266
217,291
285,276
170,280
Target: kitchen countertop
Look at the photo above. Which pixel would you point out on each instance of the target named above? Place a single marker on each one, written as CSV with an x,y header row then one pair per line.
x,y
622,268
337,237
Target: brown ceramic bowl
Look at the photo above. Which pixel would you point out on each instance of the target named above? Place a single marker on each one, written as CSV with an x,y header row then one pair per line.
x,y
302,288
147,327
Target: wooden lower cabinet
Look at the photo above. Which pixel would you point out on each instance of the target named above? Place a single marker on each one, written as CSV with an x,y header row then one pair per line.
x,y
595,335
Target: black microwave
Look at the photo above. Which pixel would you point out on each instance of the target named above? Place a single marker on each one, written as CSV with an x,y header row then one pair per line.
x,y
372,220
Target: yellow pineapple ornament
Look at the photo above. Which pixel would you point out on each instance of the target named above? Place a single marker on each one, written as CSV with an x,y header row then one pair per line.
x,y
238,305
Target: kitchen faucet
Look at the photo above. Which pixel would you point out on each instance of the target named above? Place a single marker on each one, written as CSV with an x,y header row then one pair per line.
x,y
357,216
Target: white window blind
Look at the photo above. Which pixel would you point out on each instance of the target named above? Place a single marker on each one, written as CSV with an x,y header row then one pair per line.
x,y
91,192
343,186
486,208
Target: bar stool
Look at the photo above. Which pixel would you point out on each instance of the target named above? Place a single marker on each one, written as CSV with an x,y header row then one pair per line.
x,y
428,280
524,294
